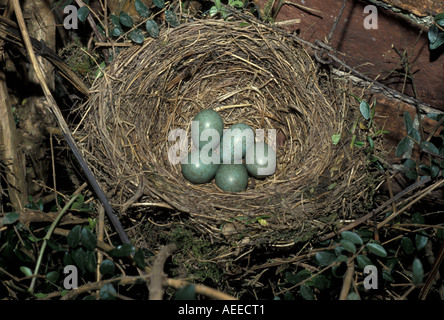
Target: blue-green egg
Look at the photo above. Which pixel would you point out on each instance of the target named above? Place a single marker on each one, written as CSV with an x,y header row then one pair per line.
x,y
198,167
232,177
235,142
207,128
260,160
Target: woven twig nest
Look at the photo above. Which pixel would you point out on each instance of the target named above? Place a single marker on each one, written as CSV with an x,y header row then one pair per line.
x,y
248,74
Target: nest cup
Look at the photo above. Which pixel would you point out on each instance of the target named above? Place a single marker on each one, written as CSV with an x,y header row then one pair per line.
x,y
249,74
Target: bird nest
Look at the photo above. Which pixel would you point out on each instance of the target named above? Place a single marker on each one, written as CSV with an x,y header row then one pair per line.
x,y
250,74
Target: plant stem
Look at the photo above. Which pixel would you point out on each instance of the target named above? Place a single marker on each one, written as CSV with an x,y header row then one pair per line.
x,y
46,238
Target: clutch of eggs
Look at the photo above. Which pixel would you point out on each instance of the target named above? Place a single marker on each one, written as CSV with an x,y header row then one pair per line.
x,y
236,144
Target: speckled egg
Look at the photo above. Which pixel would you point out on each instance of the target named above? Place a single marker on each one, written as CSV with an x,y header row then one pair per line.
x,y
260,160
204,120
235,141
197,168
232,177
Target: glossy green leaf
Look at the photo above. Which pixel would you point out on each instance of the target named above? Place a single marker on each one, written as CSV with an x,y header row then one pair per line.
x,y
412,174
376,249
408,122
407,245
115,20
67,259
89,239
83,13
137,36
123,250
142,9
126,19
90,261
159,3
352,236
26,271
321,282
79,258
421,240
410,163
107,292
415,135
325,258
353,296
171,18
348,246
52,276
10,218
402,147
417,272
436,37
152,28
74,236
306,292
427,145
439,19
186,293
116,31
417,218
139,258
365,110
363,261
107,267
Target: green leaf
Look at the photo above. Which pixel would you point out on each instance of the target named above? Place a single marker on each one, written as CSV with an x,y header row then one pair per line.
x,y
171,18
421,240
336,138
436,37
434,171
408,122
137,36
74,236
410,163
186,293
439,19
142,9
52,276
417,272
10,218
122,251
139,258
352,236
365,109
325,258
89,239
412,174
321,282
107,292
90,261
348,246
427,145
79,258
126,19
407,245
363,261
415,135
116,32
152,28
417,218
107,267
376,249
83,13
159,3
115,20
402,147
306,292
353,296
26,271
213,11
